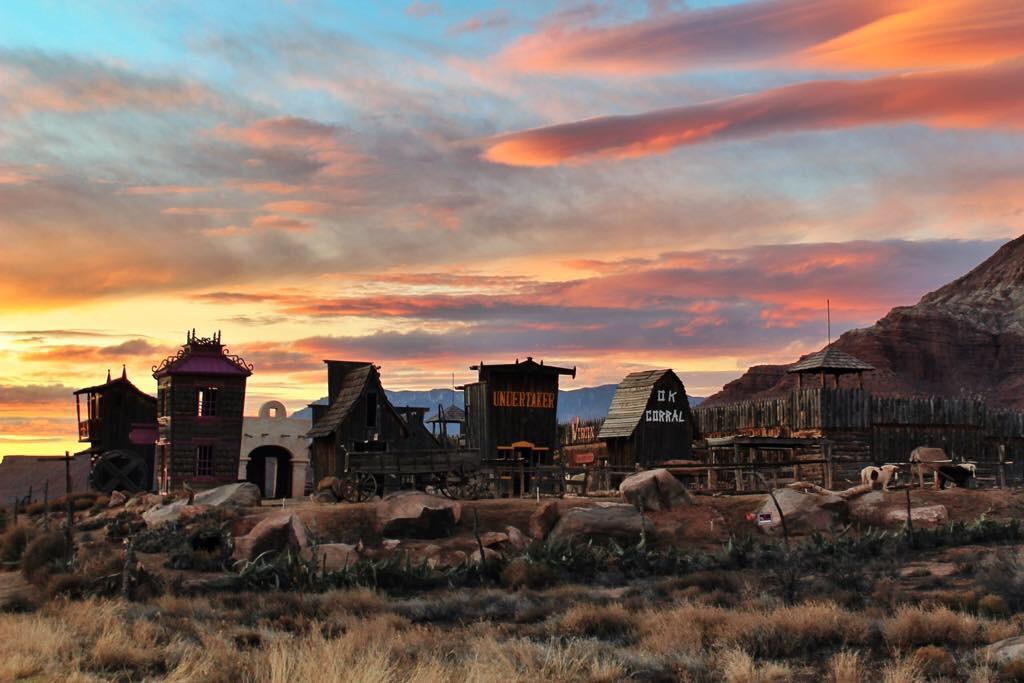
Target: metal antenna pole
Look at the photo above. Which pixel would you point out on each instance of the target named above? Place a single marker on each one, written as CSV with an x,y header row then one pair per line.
x,y
828,309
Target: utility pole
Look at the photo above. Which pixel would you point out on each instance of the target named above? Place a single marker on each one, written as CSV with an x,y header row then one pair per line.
x,y
70,508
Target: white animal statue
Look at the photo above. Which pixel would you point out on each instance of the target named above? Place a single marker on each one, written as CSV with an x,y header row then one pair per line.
x,y
928,459
886,474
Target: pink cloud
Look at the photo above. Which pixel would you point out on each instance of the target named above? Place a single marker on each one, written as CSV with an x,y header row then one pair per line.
x,y
845,34
991,97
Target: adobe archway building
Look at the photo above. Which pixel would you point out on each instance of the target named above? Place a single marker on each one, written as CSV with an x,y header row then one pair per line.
x,y
275,452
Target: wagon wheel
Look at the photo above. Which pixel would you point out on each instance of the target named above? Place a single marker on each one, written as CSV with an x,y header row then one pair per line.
x,y
358,487
121,470
462,486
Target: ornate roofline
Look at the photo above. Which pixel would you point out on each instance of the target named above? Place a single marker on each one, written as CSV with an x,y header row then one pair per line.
x,y
207,343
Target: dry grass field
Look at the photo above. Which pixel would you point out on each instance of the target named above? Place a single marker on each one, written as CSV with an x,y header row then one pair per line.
x,y
852,605
665,630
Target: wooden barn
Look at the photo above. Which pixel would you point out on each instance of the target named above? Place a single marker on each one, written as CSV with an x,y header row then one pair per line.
x,y
118,420
359,418
512,411
648,422
200,401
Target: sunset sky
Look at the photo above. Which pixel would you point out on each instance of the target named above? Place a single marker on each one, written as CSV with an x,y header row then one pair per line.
x,y
609,185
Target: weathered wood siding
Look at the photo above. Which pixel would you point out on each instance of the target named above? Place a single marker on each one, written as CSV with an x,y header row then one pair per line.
x,y
867,428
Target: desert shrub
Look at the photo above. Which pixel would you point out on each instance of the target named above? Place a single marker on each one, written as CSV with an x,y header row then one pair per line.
x,y
1002,574
79,501
903,670
44,554
610,622
993,606
739,667
804,629
1012,670
846,667
935,662
14,541
961,600
522,573
915,626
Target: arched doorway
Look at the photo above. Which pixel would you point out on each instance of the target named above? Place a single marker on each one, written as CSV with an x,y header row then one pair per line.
x,y
270,468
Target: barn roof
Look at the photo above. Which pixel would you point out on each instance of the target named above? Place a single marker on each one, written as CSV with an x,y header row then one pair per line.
x,y
352,387
831,360
629,403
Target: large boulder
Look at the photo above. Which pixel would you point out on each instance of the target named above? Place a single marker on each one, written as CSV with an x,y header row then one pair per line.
x,y
276,533
925,515
871,508
164,514
240,494
543,520
414,514
1005,651
141,502
604,522
804,512
654,490
517,541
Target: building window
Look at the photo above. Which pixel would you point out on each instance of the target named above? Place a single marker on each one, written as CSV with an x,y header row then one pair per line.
x,y
371,410
204,461
207,401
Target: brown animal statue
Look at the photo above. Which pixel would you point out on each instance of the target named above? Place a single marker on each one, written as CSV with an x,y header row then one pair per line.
x,y
924,459
886,474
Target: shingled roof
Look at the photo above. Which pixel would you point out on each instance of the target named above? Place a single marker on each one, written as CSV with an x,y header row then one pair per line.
x,y
830,360
352,388
629,403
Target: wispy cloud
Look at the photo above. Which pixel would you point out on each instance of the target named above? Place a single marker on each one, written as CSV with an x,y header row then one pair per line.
x,y
991,97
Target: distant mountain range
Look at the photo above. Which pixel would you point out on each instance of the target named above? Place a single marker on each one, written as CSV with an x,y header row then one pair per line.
x,y
587,403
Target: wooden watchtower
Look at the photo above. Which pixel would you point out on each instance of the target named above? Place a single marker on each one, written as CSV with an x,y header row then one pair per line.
x,y
830,362
200,400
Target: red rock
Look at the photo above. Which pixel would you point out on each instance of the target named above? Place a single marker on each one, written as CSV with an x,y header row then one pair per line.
x,y
413,514
654,490
966,338
276,533
543,520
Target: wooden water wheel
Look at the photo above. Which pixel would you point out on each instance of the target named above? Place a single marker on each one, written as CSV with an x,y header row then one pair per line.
x,y
120,470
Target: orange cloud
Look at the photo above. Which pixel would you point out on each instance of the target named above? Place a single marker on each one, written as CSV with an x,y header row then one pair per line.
x,y
280,223
966,98
936,33
303,208
844,34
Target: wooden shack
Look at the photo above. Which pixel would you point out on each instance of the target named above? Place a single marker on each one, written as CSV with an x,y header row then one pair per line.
x,y
648,422
200,401
118,420
512,411
359,418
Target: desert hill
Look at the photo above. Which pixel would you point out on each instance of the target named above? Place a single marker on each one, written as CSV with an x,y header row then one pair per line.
x,y
965,338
